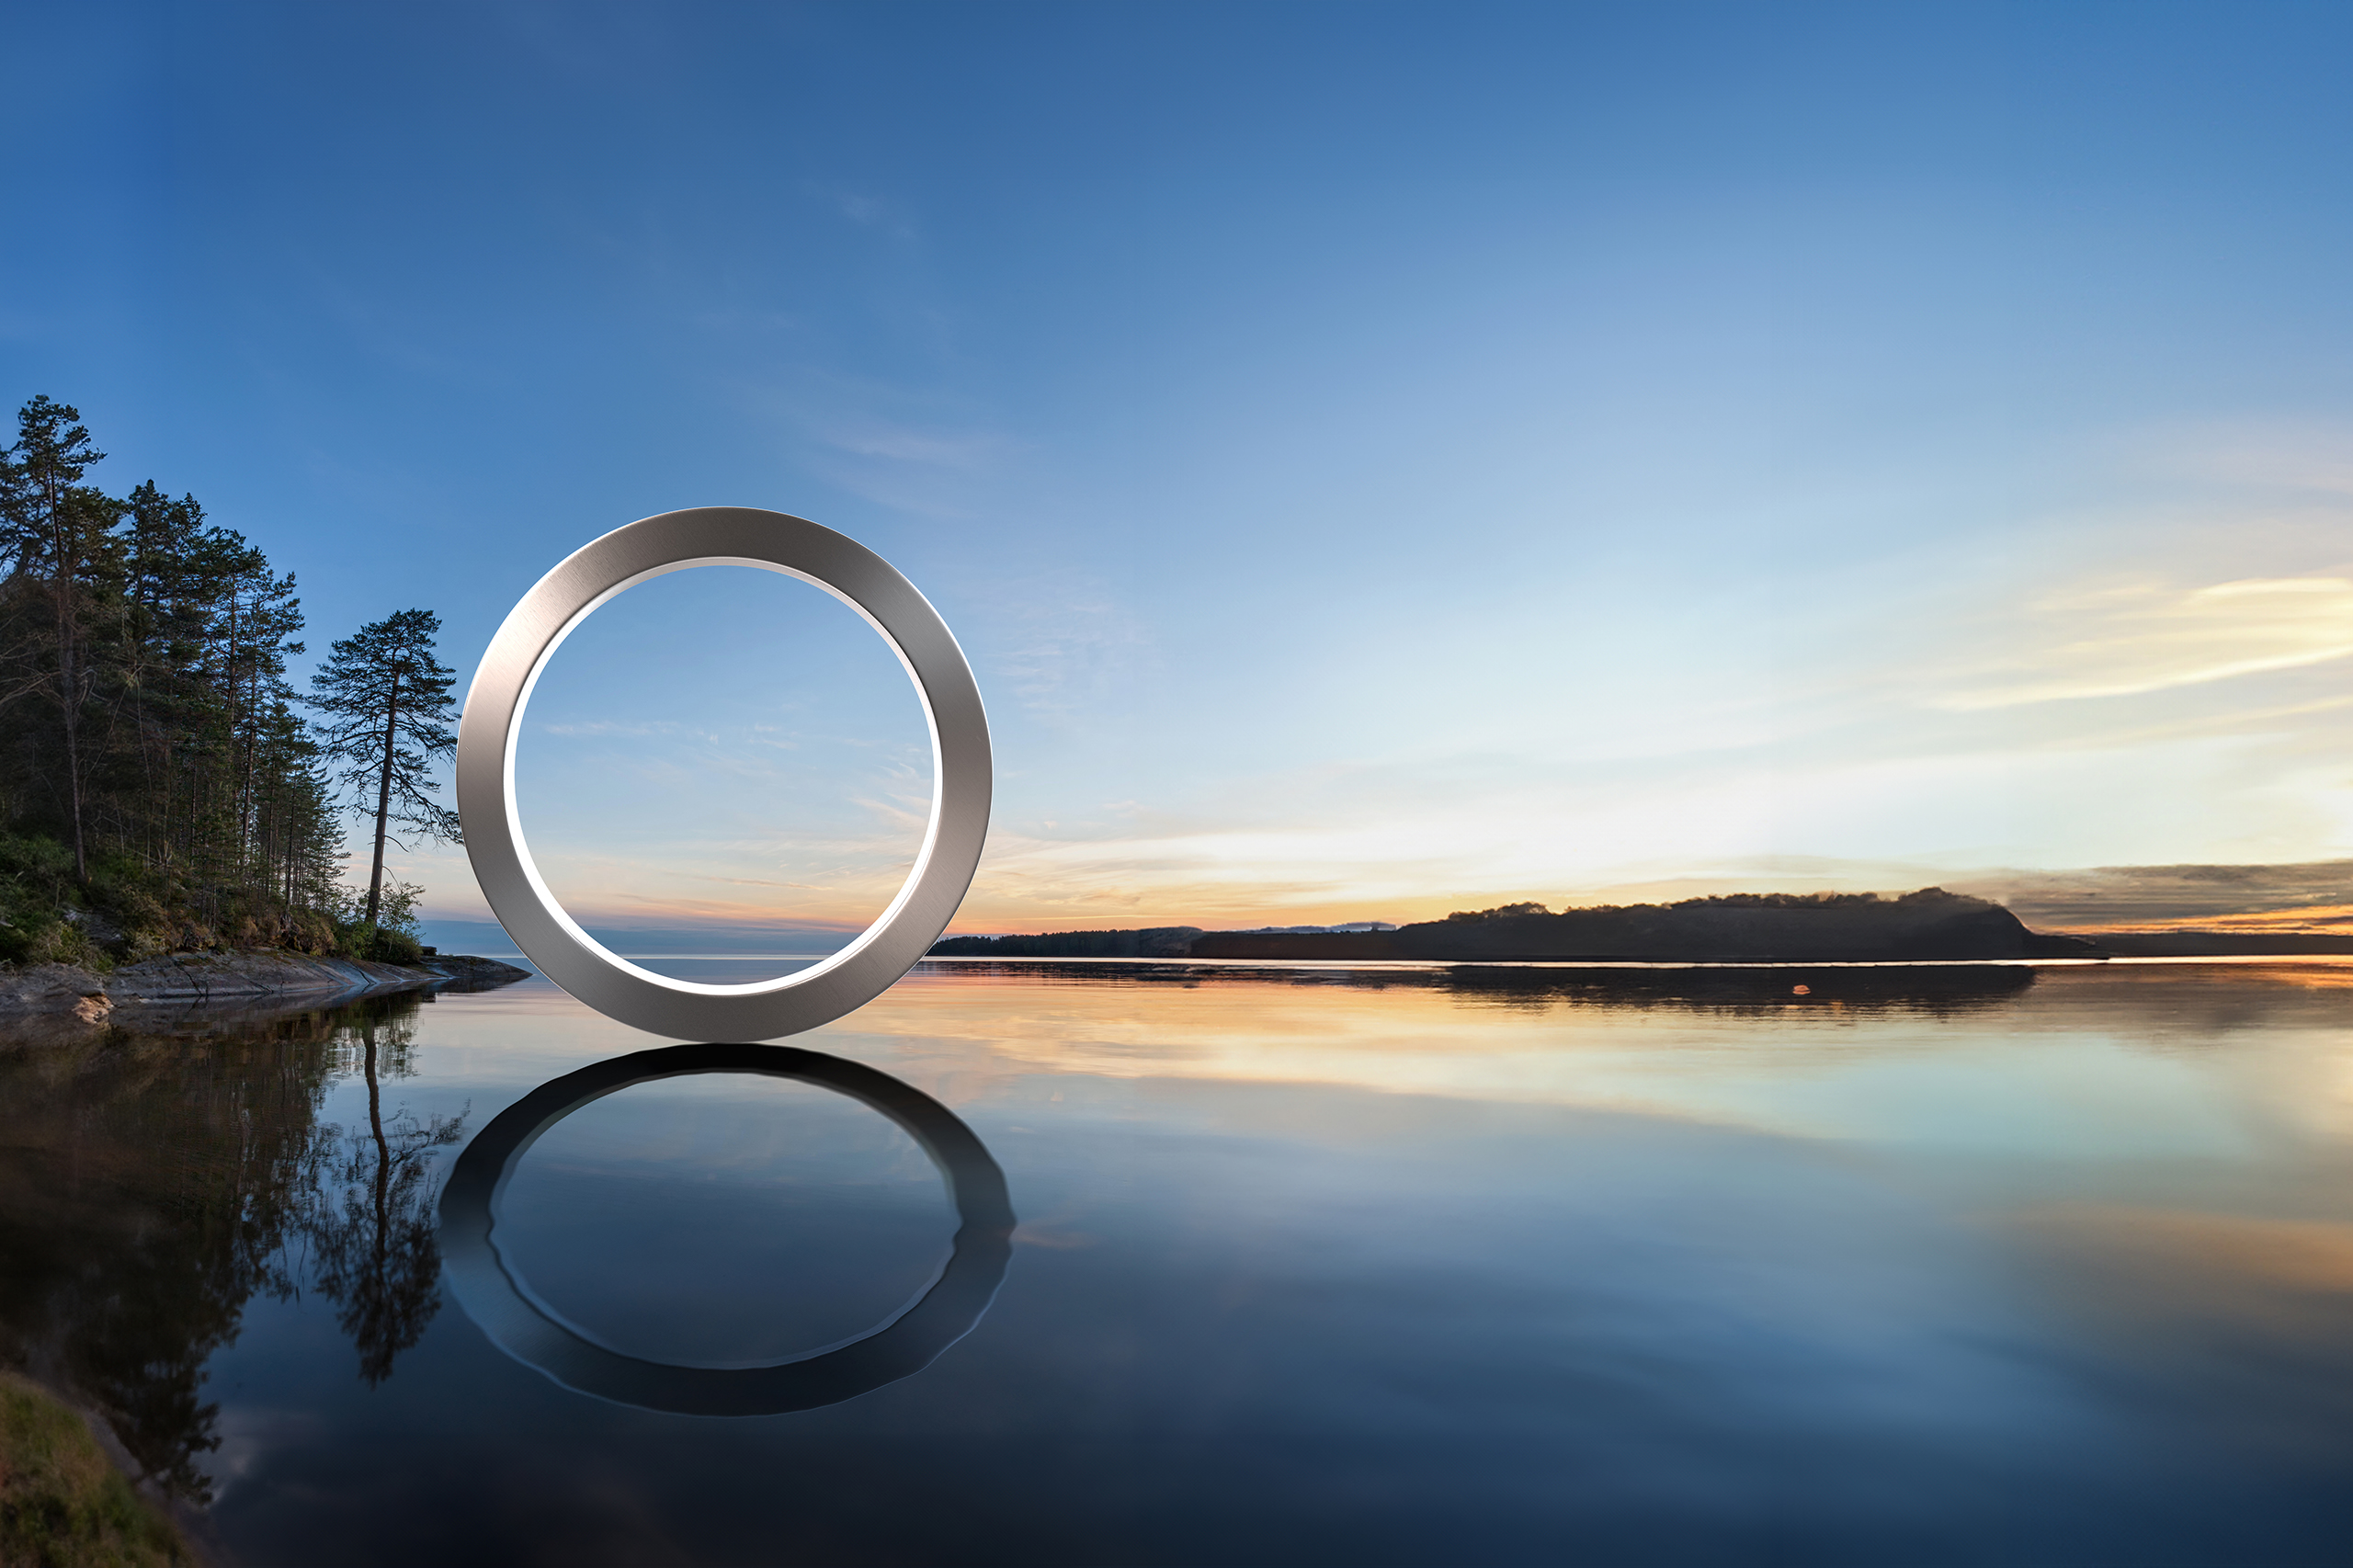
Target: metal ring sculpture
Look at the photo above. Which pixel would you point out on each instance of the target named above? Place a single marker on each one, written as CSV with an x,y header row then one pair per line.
x,y
497,1301
736,535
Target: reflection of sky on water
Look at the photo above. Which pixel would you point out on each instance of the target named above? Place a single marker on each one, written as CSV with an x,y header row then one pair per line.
x,y
724,1220
1329,1271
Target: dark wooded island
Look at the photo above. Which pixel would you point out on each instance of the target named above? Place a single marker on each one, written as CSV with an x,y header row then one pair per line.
x,y
1927,926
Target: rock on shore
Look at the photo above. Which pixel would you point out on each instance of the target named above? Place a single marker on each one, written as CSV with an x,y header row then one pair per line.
x,y
193,978
464,973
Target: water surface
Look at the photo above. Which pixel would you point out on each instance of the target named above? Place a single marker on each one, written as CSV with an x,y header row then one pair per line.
x,y
1958,1265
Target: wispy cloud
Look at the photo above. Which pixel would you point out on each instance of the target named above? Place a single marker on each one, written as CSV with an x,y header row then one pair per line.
x,y
932,449
915,450
1066,644
2294,454
929,470
2150,638
872,211
599,729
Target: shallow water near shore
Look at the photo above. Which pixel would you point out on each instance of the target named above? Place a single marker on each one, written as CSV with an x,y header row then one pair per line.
x,y
1953,1265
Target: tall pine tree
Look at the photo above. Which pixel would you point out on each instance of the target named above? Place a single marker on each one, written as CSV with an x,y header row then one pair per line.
x,y
59,532
388,710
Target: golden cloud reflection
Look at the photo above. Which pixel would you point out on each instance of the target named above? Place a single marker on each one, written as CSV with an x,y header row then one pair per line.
x,y
2200,1289
2272,1254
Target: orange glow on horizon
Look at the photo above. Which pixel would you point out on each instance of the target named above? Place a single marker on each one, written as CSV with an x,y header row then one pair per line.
x,y
2326,919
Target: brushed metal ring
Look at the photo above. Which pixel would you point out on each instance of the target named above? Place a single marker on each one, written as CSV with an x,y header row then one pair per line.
x,y
961,770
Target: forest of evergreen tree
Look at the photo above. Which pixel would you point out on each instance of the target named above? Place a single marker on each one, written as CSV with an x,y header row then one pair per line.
x,y
160,788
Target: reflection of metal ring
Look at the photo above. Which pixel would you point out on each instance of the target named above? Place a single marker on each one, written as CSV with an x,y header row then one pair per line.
x,y
730,536
904,1345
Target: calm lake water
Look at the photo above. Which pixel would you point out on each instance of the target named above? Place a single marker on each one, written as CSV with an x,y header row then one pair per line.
x,y
1925,1266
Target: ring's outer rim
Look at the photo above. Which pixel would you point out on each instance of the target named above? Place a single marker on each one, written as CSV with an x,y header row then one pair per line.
x,y
948,1310
962,773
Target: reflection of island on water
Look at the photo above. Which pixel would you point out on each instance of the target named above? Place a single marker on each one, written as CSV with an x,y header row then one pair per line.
x,y
150,1184
1938,989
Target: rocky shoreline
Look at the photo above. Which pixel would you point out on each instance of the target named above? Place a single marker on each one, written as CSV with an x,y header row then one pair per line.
x,y
181,981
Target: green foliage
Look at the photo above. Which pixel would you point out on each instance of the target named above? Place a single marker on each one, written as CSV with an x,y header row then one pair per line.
x,y
36,882
46,920
392,937
61,1504
381,943
398,947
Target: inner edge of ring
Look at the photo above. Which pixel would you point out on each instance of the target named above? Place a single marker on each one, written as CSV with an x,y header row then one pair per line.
x,y
572,928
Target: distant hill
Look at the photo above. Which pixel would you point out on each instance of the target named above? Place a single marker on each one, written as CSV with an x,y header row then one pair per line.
x,y
1155,942
1743,928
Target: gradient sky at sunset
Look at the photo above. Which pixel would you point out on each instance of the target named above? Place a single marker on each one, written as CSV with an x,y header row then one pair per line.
x,y
1379,458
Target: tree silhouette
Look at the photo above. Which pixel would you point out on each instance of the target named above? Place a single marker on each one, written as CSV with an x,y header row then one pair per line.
x,y
388,710
58,529
372,1228
146,725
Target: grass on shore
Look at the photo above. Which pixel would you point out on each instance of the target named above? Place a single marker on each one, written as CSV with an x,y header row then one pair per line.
x,y
62,1503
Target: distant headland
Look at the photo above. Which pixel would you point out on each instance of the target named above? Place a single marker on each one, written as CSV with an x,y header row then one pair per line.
x,y
1925,926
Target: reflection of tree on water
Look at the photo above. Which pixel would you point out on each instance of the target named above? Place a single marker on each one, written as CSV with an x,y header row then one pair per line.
x,y
371,1224
151,1185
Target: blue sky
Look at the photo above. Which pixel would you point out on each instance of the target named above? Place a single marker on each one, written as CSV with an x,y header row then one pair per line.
x,y
1380,458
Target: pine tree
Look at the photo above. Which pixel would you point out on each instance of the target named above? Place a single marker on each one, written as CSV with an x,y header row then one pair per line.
x,y
389,709
60,534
